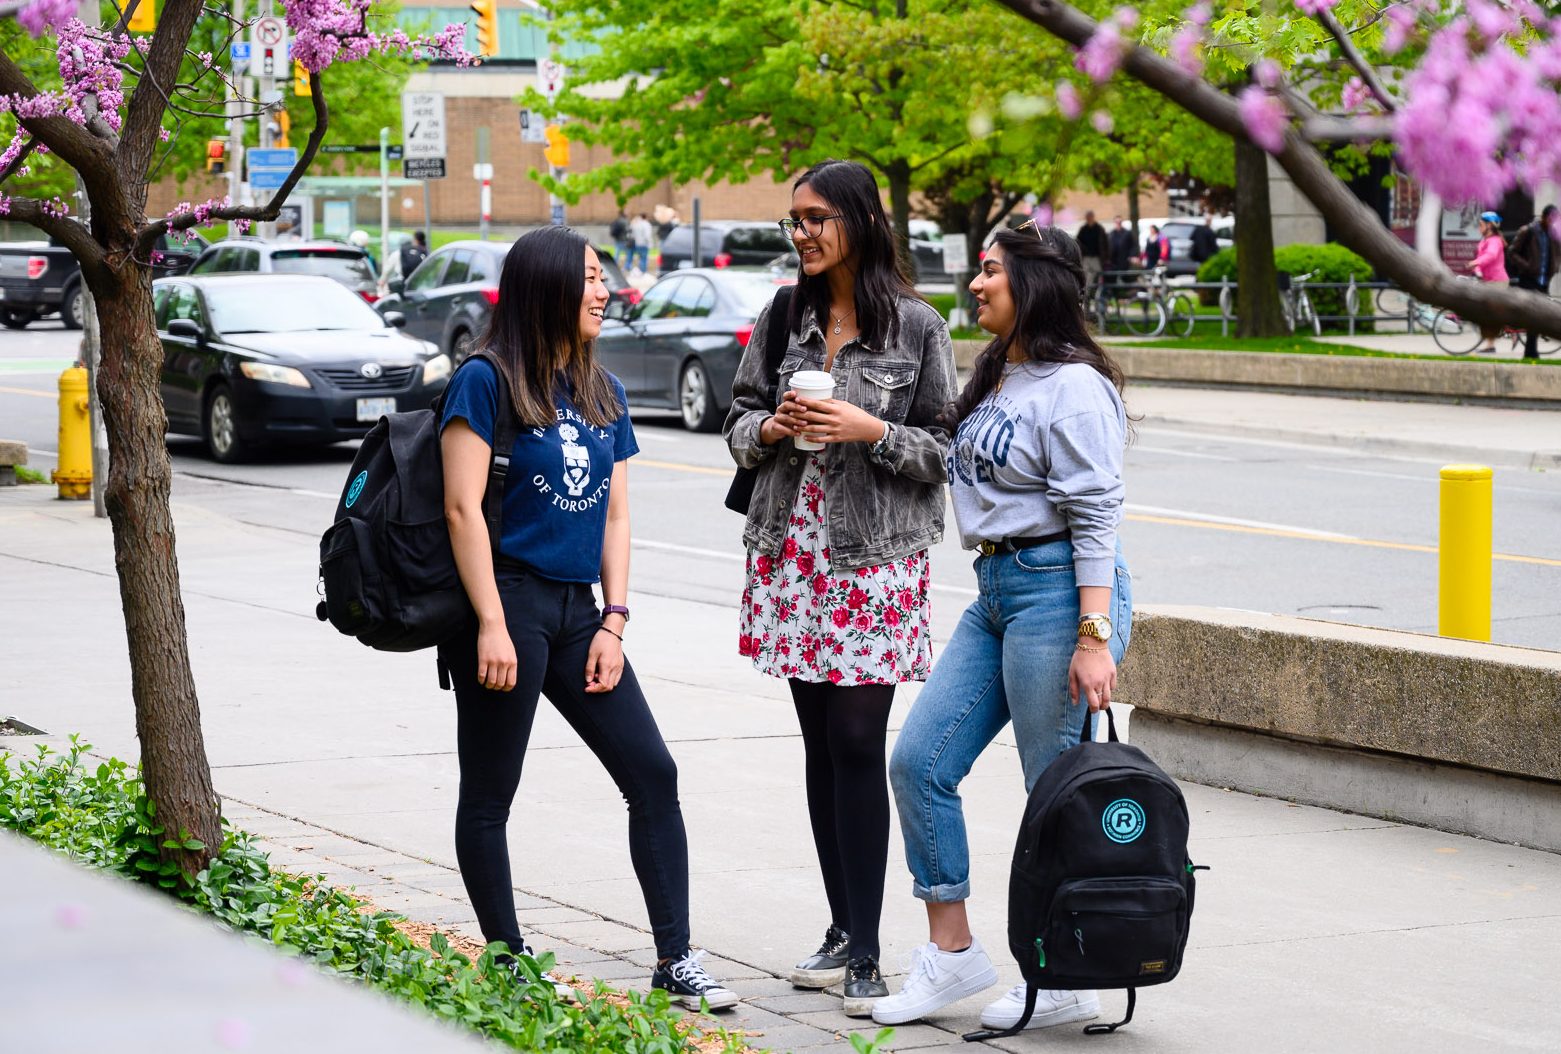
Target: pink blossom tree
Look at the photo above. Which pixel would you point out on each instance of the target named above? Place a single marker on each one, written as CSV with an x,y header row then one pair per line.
x,y
1465,95
118,93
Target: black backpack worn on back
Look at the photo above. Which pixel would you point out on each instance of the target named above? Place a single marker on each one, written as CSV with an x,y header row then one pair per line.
x,y
387,571
1101,890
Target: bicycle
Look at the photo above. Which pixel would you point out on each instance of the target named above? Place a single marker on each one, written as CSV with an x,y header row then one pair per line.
x,y
1460,336
1181,307
1120,300
1294,303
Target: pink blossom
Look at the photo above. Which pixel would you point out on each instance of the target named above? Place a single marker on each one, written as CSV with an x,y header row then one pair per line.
x,y
1400,22
1315,7
1355,94
1185,53
1102,53
42,15
1265,119
1199,14
1069,104
1267,73
1101,121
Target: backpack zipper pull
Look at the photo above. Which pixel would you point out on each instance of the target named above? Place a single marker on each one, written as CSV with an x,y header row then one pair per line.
x,y
1040,952
1078,935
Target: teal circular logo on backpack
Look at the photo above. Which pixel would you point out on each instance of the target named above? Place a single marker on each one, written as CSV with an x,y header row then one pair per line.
x,y
357,487
1123,820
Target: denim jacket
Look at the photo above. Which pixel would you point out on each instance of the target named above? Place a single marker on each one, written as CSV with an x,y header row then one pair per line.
x,y
882,506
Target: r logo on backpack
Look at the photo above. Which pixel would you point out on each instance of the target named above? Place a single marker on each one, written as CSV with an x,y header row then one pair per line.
x,y
1123,820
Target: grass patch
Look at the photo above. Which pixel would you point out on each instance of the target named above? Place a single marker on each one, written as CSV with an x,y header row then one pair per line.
x,y
1297,346
29,475
101,817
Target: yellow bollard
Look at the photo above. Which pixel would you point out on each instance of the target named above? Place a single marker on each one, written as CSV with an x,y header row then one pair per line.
x,y
74,474
1464,557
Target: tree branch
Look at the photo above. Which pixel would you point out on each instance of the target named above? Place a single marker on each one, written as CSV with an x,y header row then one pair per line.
x,y
73,144
68,232
145,113
1352,55
1356,225
1329,129
260,213
19,160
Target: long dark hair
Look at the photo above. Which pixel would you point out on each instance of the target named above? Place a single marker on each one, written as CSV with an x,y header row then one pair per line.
x,y
1046,280
535,330
852,192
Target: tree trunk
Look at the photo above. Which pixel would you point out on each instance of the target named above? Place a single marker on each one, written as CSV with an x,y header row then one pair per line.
x,y
173,749
1258,312
899,176
1132,212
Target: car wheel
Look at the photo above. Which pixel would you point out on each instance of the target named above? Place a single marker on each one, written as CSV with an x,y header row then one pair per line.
x,y
220,427
461,346
696,398
70,306
11,318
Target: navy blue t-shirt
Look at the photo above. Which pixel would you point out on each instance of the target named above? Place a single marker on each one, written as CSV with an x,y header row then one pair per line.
x,y
555,495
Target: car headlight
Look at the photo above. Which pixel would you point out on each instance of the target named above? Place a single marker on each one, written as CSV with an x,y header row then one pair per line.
x,y
436,368
265,371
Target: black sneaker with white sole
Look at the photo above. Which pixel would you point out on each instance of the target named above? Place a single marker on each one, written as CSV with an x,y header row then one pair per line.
x,y
826,966
686,981
864,986
561,988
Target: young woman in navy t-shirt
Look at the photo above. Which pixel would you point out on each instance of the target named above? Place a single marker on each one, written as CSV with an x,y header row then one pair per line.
x,y
537,628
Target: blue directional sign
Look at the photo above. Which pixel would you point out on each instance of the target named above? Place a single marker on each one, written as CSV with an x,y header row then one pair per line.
x,y
239,52
273,157
268,178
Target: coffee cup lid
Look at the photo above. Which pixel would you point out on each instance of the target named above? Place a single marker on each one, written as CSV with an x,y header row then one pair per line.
x,y
813,380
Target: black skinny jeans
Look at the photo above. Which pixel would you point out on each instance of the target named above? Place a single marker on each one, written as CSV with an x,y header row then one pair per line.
x,y
552,625
843,733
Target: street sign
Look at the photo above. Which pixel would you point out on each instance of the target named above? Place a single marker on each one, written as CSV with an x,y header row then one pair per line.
x,y
239,51
393,152
267,178
481,171
550,77
422,123
276,157
532,128
956,254
423,168
269,31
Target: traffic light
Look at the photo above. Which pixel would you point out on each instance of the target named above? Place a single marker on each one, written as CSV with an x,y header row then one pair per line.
x,y
284,125
487,26
300,78
216,155
144,20
557,149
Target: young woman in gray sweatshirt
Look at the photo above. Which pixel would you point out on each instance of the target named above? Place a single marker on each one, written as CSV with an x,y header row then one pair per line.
x,y
1035,477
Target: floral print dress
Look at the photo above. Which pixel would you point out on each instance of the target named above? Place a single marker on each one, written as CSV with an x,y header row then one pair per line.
x,y
801,619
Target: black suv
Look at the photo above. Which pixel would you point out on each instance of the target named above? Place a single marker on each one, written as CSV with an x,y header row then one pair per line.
x,y
724,243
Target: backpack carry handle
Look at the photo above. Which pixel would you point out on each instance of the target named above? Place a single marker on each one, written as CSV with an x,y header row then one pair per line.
x,y
1086,733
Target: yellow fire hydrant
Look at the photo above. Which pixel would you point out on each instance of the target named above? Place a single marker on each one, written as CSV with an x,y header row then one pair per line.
x,y
1464,555
74,474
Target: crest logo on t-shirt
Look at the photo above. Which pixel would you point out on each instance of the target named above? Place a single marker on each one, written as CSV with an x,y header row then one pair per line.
x,y
577,461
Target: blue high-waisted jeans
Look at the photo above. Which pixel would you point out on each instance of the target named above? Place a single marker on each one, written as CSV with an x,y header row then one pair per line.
x,y
1008,661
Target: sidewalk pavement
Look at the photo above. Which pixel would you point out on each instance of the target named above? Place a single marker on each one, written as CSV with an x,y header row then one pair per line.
x,y
1314,930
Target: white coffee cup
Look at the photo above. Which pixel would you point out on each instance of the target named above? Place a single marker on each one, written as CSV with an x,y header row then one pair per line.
x,y
811,384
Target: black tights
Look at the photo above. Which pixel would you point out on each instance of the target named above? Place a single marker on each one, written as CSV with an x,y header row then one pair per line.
x,y
843,733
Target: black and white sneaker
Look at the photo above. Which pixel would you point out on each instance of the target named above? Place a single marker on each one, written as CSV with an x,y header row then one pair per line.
x,y
686,981
864,986
826,966
561,988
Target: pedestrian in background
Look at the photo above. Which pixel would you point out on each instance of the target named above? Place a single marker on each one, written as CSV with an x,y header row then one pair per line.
x,y
1035,474
1534,252
1204,241
640,231
403,260
536,628
1157,249
619,233
837,574
1092,243
1489,265
1121,245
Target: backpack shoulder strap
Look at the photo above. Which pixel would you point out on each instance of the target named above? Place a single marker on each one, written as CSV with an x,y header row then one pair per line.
x,y
776,336
506,427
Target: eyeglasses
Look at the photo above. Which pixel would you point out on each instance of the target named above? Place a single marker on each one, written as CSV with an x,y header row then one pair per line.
x,y
812,226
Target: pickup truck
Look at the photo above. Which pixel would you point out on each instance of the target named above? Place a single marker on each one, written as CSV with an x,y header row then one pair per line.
x,y
42,278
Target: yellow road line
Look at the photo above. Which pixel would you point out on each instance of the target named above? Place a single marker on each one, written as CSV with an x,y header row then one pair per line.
x,y
1174,521
30,391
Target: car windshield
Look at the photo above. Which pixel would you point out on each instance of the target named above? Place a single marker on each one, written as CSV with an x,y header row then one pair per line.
x,y
751,294
259,306
344,265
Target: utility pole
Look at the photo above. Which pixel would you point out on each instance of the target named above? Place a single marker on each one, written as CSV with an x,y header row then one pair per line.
x,y
384,197
91,339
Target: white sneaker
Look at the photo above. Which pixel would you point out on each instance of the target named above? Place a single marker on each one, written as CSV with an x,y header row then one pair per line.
x,y
937,978
1052,1007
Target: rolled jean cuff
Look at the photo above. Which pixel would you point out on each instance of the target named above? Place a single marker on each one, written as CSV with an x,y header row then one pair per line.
x,y
948,893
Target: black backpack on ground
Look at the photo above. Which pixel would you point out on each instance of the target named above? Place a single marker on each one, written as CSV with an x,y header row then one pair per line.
x,y
387,572
1101,891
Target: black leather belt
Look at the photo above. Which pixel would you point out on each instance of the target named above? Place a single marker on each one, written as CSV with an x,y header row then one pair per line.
x,y
1013,545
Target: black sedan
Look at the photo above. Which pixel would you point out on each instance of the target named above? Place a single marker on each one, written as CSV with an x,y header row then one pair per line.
x,y
678,348
451,295
251,360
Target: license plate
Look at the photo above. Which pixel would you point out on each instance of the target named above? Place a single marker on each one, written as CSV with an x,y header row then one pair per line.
x,y
374,409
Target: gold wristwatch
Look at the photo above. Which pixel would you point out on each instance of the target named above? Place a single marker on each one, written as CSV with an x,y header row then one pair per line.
x,y
1095,624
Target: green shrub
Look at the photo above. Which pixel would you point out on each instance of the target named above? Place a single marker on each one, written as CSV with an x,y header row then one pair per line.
x,y
943,303
102,818
1330,262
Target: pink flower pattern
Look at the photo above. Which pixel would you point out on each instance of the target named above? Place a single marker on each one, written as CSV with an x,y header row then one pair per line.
x,y
801,619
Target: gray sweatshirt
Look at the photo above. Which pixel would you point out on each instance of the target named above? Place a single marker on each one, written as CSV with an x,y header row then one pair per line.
x,y
1041,455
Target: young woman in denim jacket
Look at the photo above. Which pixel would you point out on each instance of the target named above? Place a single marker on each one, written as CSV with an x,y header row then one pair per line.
x,y
1035,473
836,600
536,628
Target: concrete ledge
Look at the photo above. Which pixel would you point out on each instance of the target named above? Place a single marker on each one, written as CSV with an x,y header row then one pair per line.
x,y
1424,378
12,453
1432,700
